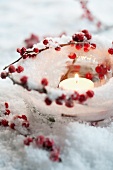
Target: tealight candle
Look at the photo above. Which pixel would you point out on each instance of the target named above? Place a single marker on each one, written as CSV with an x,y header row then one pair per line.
x,y
77,83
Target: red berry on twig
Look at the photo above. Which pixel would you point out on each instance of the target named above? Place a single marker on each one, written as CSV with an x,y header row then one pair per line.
x,y
57,48
45,42
36,50
44,82
24,79
27,141
12,126
82,98
19,69
4,122
72,56
4,75
12,69
89,76
90,93
110,51
7,112
48,101
6,105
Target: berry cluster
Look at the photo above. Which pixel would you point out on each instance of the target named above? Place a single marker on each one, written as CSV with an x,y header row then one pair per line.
x,y
69,100
110,51
83,36
40,141
79,40
46,144
101,70
11,69
27,54
16,120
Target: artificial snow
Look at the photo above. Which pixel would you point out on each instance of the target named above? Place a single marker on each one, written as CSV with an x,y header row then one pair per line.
x,y
83,147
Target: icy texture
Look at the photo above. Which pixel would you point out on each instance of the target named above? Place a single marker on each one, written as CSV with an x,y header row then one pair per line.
x,y
52,65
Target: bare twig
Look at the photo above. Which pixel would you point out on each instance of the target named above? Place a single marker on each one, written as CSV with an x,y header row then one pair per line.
x,y
12,63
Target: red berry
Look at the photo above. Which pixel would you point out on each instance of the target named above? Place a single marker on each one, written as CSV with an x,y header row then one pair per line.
x,y
89,76
19,69
4,75
82,98
86,45
72,56
19,117
58,101
36,50
48,143
85,31
62,97
6,105
48,101
33,55
27,141
4,122
23,50
78,37
76,68
29,55
98,69
12,126
40,140
78,46
24,117
101,76
24,56
88,36
7,112
93,46
45,42
110,51
86,49
54,156
24,79
90,93
75,95
104,70
12,69
25,124
69,103
44,82
18,50
57,48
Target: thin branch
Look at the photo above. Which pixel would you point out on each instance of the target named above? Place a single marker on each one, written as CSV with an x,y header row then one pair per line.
x,y
25,86
12,63
31,51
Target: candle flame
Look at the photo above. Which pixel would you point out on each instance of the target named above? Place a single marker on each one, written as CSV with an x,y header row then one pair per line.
x,y
76,77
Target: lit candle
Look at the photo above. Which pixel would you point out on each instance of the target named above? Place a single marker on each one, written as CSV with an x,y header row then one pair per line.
x,y
77,83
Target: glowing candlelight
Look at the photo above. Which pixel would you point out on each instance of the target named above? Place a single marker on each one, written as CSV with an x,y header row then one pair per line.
x,y
77,83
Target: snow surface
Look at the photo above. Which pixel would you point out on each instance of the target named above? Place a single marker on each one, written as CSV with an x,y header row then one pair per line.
x,y
83,147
